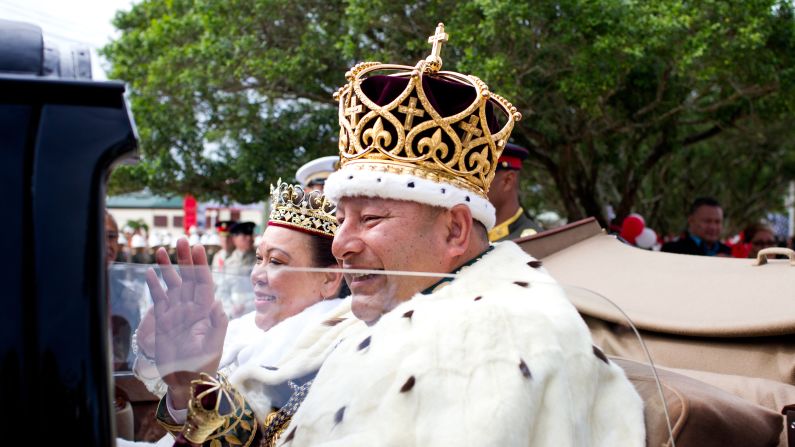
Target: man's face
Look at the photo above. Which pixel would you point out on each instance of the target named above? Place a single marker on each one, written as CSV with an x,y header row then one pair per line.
x,y
496,192
761,240
706,222
226,242
314,187
112,239
243,242
381,234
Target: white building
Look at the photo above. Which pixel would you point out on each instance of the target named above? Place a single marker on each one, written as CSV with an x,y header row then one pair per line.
x,y
165,215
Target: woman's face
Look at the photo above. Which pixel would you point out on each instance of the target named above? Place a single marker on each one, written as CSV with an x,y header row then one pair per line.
x,y
279,294
761,240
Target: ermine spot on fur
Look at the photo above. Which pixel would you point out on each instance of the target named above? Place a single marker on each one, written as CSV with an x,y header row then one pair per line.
x,y
408,385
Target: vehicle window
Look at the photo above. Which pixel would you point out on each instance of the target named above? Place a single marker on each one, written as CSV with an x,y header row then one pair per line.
x,y
130,300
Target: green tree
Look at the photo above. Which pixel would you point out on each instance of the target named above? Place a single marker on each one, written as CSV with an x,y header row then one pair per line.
x,y
636,104
227,95
751,158
137,224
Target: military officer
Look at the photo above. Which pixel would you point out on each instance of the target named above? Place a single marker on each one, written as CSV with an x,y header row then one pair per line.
x,y
226,245
312,176
512,220
235,290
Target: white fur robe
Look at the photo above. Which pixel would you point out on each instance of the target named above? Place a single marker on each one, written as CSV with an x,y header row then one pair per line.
x,y
498,357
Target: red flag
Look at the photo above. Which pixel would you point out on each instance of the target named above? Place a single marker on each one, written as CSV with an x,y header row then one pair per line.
x,y
189,210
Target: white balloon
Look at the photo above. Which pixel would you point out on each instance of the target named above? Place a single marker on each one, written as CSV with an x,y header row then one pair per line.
x,y
646,239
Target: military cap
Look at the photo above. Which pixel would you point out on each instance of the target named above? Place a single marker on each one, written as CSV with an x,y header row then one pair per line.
x,y
246,228
223,226
512,157
316,171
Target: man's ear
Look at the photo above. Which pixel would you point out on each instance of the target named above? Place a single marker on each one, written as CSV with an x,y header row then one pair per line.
x,y
459,229
511,180
506,181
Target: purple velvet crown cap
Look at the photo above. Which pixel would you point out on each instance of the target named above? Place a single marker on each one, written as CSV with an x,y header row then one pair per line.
x,y
447,97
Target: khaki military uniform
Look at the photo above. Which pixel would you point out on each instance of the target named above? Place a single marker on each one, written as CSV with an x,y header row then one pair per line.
x,y
519,225
234,286
219,260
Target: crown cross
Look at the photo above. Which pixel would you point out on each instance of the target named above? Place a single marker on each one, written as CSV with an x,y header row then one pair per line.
x,y
411,111
353,110
438,39
470,128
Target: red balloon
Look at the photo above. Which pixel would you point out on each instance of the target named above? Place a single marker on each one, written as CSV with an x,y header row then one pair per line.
x,y
631,228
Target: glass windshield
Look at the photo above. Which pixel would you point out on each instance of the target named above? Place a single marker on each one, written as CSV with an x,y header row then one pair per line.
x,y
131,300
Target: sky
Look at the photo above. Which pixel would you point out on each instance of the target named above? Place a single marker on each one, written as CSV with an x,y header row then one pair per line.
x,y
71,21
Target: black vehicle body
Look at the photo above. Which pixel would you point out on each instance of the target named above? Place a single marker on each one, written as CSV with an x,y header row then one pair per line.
x,y
58,139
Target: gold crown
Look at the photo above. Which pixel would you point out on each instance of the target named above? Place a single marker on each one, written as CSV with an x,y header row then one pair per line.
x,y
309,212
458,149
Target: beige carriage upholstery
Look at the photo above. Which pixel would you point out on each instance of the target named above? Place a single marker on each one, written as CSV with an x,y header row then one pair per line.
x,y
719,321
701,415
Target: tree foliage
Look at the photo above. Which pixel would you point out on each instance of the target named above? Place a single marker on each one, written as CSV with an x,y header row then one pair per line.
x,y
640,105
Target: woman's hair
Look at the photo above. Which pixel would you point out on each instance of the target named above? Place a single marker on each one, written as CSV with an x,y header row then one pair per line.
x,y
322,257
751,230
321,251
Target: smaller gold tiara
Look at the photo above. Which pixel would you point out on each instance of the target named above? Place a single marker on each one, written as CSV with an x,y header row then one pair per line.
x,y
310,212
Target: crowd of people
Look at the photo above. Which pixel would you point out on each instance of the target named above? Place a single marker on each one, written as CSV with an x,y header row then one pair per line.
x,y
230,249
138,245
703,234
